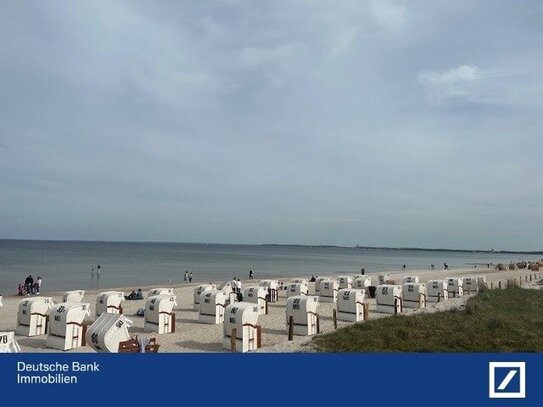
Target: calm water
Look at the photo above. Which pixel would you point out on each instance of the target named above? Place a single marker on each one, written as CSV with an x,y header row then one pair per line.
x,y
66,265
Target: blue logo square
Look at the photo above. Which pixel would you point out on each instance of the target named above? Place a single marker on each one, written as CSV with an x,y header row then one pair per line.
x,y
506,379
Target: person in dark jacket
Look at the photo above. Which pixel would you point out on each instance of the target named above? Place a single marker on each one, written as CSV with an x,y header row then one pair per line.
x,y
29,282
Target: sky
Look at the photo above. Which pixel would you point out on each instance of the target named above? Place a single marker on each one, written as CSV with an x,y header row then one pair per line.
x,y
379,123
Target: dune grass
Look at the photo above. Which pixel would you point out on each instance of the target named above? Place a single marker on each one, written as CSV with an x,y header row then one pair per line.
x,y
509,320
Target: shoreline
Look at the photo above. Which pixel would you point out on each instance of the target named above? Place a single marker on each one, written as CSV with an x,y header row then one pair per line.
x,y
392,272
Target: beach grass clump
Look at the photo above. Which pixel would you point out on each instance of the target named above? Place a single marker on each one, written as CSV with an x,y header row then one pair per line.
x,y
512,266
508,320
521,265
534,266
500,267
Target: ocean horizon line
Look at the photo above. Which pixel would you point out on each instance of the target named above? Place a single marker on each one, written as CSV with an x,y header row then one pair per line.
x,y
355,247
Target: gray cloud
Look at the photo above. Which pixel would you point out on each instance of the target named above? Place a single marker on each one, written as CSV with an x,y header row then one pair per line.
x,y
379,122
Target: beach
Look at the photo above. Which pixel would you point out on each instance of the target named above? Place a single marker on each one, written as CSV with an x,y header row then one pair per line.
x,y
192,336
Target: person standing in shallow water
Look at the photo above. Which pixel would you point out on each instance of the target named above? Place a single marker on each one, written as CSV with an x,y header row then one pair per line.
x,y
190,277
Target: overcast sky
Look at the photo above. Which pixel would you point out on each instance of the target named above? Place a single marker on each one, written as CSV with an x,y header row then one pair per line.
x,y
409,123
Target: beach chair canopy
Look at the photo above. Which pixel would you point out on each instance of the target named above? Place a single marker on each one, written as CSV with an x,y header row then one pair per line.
x,y
105,334
73,296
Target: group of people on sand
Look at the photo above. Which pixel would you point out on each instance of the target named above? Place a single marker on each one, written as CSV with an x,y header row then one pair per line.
x,y
134,295
30,287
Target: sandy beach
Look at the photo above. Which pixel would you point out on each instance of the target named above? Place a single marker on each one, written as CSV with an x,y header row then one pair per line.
x,y
191,336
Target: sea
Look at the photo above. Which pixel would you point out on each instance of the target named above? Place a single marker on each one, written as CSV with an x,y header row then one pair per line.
x,y
67,265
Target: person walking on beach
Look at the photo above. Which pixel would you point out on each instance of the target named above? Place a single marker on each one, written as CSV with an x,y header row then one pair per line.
x,y
37,285
251,275
445,266
186,278
29,282
403,267
92,269
190,277
363,270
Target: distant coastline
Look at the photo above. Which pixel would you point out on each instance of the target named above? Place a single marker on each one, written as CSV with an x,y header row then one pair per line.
x,y
417,249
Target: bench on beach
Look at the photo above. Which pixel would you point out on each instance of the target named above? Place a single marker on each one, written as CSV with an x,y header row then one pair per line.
x,y
135,346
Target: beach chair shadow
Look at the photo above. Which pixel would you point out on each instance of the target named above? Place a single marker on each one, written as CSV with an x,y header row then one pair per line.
x,y
205,347
272,331
186,309
187,320
35,343
138,329
276,305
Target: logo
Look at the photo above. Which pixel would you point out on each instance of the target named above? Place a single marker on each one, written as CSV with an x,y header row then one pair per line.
x,y
507,380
